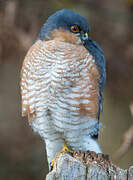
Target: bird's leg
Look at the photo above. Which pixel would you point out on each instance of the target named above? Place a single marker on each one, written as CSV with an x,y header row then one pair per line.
x,y
53,147
64,149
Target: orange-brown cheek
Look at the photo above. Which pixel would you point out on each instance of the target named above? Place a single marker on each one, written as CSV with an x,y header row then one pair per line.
x,y
64,36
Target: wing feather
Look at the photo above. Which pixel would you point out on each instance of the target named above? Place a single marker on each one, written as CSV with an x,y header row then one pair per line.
x,y
30,90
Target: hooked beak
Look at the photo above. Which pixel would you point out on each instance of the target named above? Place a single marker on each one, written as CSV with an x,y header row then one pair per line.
x,y
84,36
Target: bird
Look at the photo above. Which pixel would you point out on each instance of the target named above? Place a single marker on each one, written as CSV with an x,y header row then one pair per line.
x,y
63,77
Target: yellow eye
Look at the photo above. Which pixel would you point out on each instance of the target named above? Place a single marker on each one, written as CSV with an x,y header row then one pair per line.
x,y
75,28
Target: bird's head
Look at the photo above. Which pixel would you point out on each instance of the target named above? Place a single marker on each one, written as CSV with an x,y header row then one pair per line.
x,y
69,25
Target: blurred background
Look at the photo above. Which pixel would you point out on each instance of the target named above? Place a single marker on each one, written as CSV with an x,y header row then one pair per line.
x,y
22,152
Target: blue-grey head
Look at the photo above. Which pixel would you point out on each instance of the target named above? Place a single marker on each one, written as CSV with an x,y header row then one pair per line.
x,y
67,20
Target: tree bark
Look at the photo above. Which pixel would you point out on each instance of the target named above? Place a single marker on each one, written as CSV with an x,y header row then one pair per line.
x,y
87,166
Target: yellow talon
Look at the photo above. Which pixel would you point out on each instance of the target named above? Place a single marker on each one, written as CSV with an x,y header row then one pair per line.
x,y
65,148
52,165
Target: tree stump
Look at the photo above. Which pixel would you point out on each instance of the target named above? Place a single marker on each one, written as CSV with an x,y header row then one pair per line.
x,y
87,166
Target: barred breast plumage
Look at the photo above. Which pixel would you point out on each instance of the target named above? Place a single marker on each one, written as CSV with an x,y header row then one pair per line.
x,y
60,91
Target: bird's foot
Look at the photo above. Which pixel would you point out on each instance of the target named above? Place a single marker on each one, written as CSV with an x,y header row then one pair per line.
x,y
52,165
64,149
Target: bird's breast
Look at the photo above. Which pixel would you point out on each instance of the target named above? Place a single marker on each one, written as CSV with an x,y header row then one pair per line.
x,y
73,79
61,80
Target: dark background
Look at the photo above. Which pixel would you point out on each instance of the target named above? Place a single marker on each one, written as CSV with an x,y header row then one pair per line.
x,y
22,152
